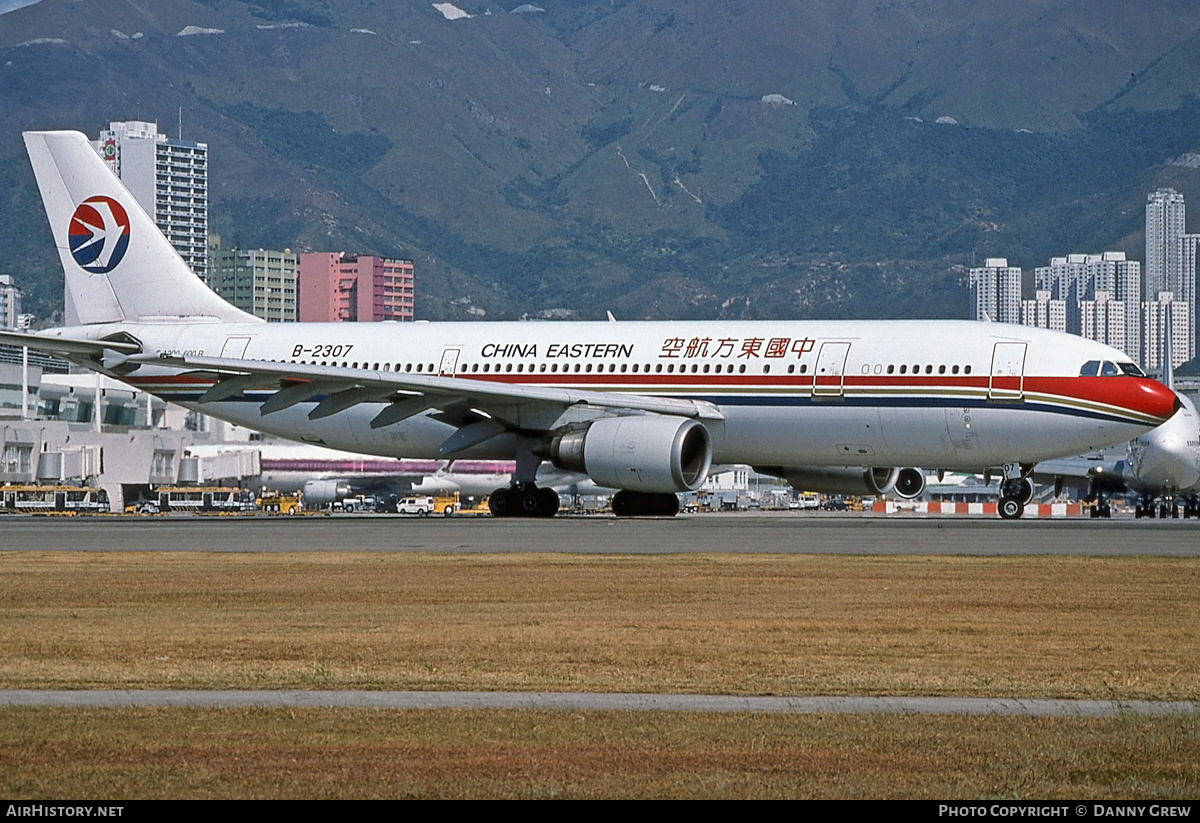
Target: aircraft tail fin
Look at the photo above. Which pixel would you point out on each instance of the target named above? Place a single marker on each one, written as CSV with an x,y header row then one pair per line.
x,y
117,262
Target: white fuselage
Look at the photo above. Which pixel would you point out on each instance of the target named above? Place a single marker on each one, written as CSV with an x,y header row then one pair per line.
x,y
1166,460
942,394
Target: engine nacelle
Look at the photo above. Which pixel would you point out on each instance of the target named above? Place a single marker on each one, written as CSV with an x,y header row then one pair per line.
x,y
910,483
644,453
851,480
321,493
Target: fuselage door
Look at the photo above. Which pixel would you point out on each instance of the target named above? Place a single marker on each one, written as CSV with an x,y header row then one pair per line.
x,y
235,348
830,369
1007,382
449,362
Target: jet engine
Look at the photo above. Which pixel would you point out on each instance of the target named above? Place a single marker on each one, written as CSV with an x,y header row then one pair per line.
x,y
902,482
321,493
642,453
910,483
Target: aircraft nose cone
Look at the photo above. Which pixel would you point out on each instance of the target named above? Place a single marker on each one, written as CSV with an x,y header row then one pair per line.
x,y
1169,463
1156,400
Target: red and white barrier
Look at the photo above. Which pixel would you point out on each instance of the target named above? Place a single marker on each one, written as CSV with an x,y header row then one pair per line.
x,y
983,509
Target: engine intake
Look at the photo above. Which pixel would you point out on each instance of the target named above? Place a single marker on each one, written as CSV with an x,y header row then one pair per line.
x,y
645,453
909,483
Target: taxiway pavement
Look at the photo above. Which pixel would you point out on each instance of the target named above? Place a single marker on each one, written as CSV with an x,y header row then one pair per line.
x,y
750,532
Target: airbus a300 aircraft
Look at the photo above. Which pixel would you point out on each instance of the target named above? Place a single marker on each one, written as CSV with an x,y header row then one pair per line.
x,y
645,407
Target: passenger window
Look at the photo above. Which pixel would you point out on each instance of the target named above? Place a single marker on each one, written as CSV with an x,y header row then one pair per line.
x,y
1090,369
891,368
903,368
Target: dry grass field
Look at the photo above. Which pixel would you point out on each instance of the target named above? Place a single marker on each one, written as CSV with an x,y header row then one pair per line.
x,y
1073,627
334,753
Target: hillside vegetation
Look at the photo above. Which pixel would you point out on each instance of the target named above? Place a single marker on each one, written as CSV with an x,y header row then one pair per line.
x,y
708,159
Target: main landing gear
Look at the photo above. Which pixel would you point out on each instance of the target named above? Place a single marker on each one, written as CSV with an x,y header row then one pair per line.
x,y
1167,507
523,500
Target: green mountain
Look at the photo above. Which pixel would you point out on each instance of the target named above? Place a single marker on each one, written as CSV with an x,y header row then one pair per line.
x,y
655,158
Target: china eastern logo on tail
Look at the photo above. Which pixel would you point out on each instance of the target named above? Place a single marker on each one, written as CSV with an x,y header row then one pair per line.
x,y
99,234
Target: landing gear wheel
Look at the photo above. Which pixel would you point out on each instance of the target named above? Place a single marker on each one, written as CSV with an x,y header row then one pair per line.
x,y
500,504
1010,508
547,503
527,501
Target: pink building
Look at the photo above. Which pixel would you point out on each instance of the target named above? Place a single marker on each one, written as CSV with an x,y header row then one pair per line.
x,y
336,287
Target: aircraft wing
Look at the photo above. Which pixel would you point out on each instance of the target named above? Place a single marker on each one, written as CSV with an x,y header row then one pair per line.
x,y
480,409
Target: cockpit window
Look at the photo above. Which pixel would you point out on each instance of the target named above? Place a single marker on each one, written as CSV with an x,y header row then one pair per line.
x,y
1107,368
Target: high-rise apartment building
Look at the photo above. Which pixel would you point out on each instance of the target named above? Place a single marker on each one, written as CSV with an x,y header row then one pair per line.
x,y
259,281
10,303
336,287
1103,319
1154,319
996,291
1165,218
169,179
1079,280
1044,312
1171,258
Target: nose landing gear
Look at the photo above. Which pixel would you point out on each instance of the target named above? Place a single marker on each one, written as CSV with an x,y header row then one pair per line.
x,y
1015,494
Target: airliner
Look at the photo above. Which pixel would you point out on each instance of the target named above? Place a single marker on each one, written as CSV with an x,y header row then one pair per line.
x,y
644,407
1162,466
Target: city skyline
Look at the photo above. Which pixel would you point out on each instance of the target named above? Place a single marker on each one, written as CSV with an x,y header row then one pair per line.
x,y
1106,297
